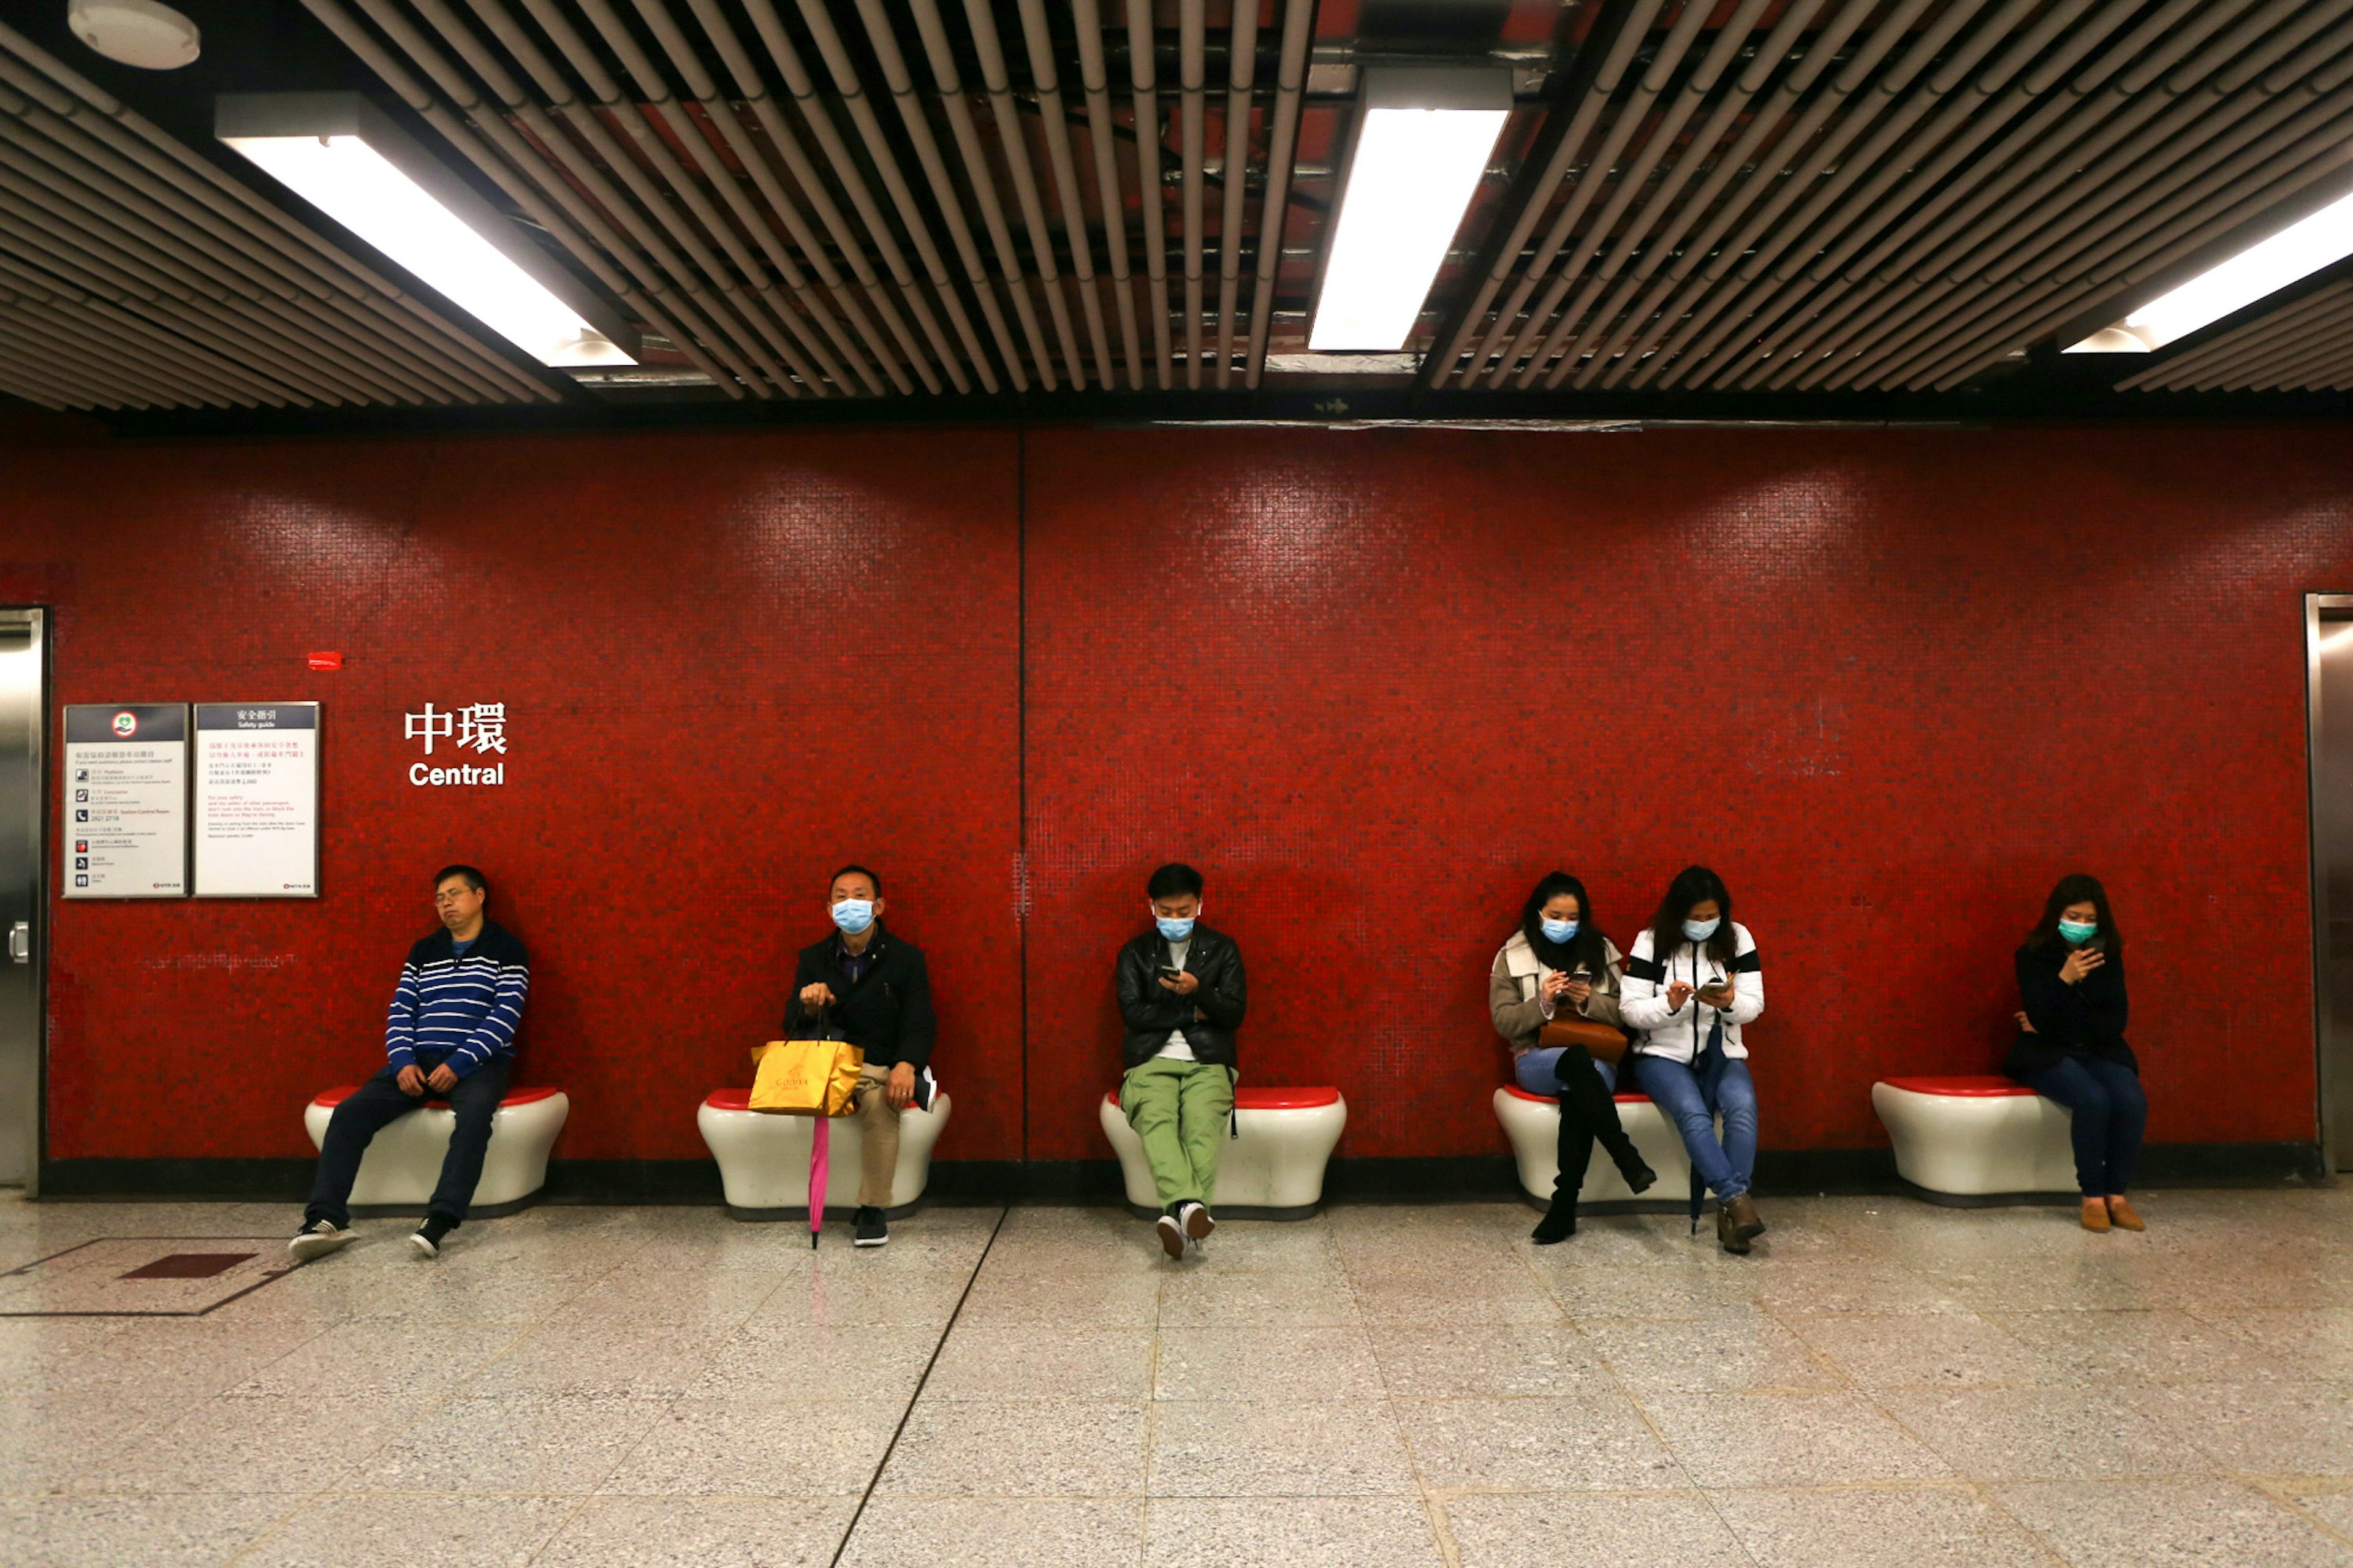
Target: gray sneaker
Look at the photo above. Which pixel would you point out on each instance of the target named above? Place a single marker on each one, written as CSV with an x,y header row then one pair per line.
x,y
317,1241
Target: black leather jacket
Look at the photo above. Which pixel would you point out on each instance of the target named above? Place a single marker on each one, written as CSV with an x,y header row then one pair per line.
x,y
1151,1011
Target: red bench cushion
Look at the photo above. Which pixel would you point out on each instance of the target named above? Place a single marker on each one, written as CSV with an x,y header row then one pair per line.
x,y
343,1091
729,1100
1251,1097
1516,1092
1961,1086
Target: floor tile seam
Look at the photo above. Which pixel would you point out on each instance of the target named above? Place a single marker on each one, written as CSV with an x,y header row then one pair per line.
x,y
915,1395
2294,1503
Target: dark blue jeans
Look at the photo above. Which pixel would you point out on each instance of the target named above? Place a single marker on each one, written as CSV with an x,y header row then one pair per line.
x,y
2108,1112
1692,1100
378,1104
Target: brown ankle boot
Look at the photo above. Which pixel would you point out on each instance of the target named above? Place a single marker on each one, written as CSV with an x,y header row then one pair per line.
x,y
1728,1232
2096,1215
2122,1215
1742,1210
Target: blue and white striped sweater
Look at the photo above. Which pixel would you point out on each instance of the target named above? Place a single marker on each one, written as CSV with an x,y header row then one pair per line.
x,y
462,1011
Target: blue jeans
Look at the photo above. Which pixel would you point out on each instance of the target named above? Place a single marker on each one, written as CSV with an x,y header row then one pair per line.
x,y
1691,1100
1536,1071
2108,1112
377,1105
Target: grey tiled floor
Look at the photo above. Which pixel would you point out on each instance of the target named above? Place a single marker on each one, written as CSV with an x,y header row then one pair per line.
x,y
1881,1383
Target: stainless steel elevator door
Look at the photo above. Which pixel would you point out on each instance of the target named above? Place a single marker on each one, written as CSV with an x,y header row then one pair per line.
x,y
22,885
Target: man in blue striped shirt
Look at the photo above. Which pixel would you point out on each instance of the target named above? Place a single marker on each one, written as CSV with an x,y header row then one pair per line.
x,y
450,1035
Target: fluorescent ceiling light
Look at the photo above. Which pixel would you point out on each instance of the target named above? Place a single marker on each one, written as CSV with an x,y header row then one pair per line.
x,y
339,153
2265,267
1425,140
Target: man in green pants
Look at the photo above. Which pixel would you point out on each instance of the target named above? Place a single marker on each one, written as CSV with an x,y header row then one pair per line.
x,y
1181,995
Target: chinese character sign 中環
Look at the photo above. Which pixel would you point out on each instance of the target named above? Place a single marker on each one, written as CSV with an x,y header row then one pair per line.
x,y
479,728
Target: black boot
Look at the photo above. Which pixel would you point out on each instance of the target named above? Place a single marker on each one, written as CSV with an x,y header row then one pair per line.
x,y
1581,1088
1559,1222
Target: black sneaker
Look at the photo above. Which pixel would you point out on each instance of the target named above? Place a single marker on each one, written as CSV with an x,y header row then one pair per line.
x,y
1172,1234
428,1240
871,1230
318,1239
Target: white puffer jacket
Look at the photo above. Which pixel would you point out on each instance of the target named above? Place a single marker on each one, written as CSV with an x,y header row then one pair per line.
x,y
1680,1033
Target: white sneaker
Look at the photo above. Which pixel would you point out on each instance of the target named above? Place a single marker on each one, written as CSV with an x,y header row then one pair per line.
x,y
317,1241
1195,1218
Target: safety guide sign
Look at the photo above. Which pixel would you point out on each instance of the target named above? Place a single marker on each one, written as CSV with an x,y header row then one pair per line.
x,y
126,800
257,824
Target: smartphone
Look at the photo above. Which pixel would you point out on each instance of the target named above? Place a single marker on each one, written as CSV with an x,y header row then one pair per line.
x,y
1167,972
2099,942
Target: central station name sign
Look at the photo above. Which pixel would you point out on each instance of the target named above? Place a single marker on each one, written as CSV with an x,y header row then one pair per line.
x,y
479,728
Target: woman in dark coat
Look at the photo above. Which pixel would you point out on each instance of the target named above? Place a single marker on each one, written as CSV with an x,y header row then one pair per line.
x,y
2071,1045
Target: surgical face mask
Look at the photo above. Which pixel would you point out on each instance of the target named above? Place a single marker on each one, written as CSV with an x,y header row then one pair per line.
x,y
2077,933
1700,931
1557,933
1174,931
854,915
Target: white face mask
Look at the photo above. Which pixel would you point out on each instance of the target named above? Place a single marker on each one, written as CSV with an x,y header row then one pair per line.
x,y
1700,931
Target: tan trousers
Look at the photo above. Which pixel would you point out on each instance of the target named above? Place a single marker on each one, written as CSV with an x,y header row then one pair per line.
x,y
878,1134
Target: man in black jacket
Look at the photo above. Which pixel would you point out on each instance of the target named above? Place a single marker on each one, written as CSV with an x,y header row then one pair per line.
x,y
864,985
1181,995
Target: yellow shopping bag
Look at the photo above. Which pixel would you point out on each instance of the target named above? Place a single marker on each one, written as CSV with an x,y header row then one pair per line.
x,y
806,1077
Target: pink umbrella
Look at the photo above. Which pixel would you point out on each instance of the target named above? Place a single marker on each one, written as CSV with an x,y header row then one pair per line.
x,y
821,1162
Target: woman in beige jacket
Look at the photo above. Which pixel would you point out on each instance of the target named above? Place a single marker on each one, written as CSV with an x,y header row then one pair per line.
x,y
1559,963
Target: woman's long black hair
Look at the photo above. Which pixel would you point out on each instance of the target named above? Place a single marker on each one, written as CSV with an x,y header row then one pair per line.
x,y
1587,948
2077,887
1693,885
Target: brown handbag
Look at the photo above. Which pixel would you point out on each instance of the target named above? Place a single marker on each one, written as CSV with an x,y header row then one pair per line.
x,y
1601,1042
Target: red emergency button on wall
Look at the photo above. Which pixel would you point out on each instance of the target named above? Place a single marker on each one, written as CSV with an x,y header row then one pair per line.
x,y
327,661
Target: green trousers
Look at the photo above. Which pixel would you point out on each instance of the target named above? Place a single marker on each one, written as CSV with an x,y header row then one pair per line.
x,y
1179,1110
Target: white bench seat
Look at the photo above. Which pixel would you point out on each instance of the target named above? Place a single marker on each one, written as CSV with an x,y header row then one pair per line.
x,y
764,1158
1272,1169
403,1162
1531,1121
1966,1141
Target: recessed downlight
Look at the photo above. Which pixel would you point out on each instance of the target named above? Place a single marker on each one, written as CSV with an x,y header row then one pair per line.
x,y
135,32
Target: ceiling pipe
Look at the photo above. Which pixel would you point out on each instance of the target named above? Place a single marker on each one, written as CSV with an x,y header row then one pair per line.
x,y
1241,76
900,82
1055,120
655,91
1874,286
49,200
1151,194
518,169
1290,84
863,345
1628,39
1844,91
1758,104
2123,187
336,275
879,153
1012,138
844,168
1816,291
1192,80
1844,196
227,326
949,88
1110,199
1632,115
1660,138
749,325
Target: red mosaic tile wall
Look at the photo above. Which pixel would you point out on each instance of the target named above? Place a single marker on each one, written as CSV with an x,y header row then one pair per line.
x,y
1890,685
729,663
1373,683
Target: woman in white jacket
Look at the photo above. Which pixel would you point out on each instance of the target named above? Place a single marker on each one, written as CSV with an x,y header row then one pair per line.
x,y
1692,981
